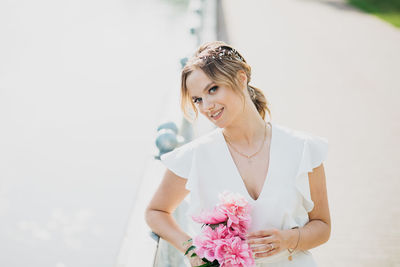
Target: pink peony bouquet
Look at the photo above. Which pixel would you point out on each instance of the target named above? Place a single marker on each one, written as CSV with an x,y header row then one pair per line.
x,y
222,241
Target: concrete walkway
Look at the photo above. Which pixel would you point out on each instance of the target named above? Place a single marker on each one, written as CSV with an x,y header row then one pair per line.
x,y
332,70
83,87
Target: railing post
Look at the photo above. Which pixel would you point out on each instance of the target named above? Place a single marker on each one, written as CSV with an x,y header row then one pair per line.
x,y
202,27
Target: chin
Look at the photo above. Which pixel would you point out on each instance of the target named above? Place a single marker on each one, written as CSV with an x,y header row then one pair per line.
x,y
219,124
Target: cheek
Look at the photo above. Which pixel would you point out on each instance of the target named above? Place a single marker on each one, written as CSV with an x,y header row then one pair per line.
x,y
201,110
235,104
228,99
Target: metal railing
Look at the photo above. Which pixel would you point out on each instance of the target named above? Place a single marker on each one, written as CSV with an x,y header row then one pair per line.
x,y
142,247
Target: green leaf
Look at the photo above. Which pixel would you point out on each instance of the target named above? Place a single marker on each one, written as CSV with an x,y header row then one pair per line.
x,y
209,263
215,263
205,260
189,249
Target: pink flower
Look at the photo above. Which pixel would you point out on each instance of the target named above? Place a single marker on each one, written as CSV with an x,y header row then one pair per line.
x,y
223,236
211,217
209,239
241,228
234,252
229,199
236,208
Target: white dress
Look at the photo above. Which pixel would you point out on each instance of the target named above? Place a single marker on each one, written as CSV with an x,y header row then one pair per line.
x,y
285,199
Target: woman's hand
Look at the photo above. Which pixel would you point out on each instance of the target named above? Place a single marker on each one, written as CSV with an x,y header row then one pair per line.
x,y
265,243
194,261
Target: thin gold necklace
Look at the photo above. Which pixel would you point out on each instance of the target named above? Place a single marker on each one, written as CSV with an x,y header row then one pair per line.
x,y
249,158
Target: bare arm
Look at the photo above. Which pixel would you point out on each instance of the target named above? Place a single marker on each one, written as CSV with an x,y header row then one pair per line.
x,y
317,231
166,199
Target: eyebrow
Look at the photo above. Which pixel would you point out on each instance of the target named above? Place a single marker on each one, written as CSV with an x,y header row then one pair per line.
x,y
205,88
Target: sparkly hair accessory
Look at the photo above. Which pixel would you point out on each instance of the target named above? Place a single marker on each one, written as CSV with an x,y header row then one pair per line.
x,y
224,52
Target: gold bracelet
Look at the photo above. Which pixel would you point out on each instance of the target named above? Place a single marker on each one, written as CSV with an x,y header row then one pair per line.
x,y
298,239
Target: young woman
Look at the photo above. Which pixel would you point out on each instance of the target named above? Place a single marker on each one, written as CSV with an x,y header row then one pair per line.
x,y
277,169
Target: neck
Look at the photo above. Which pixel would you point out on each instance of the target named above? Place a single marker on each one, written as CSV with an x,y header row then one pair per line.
x,y
247,129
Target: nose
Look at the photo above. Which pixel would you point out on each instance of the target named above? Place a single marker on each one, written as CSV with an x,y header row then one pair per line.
x,y
208,105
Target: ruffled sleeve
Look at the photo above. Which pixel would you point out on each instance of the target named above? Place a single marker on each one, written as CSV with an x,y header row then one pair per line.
x,y
180,161
315,150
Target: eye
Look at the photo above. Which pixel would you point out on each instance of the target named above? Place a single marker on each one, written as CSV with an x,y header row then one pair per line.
x,y
214,87
195,100
211,90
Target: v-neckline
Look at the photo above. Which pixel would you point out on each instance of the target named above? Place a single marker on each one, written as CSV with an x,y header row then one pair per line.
x,y
232,162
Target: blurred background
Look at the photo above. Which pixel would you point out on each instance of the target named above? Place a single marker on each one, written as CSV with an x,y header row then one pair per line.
x,y
85,84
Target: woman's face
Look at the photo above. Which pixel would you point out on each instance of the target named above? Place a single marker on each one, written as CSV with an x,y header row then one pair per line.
x,y
220,104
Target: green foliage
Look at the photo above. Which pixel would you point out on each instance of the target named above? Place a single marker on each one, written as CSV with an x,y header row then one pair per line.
x,y
388,10
189,249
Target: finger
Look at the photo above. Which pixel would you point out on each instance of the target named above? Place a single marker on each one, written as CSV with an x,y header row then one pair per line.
x,y
196,261
264,247
268,253
260,248
261,254
263,240
267,239
256,241
261,233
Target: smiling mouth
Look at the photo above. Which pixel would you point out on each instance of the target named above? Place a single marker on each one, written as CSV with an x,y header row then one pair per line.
x,y
217,115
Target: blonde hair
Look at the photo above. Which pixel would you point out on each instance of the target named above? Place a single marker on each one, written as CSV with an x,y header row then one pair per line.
x,y
221,63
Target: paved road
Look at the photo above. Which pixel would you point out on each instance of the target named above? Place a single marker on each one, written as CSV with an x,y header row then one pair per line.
x,y
332,70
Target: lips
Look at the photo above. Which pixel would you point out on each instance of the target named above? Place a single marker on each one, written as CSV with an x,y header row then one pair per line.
x,y
217,114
